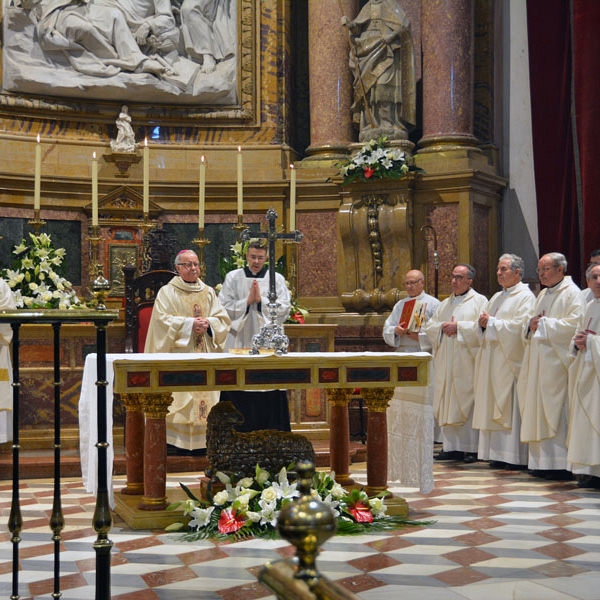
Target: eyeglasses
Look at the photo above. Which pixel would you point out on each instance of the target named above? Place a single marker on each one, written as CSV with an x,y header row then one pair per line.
x,y
411,283
188,265
545,269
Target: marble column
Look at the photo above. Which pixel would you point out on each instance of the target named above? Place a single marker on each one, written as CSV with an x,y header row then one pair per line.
x,y
134,444
339,435
156,407
377,401
448,72
330,80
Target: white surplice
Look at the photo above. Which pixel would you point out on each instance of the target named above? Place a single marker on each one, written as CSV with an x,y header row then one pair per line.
x,y
583,439
497,366
410,419
542,382
453,366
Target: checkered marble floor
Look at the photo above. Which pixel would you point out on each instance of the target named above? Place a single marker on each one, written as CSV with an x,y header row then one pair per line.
x,y
497,535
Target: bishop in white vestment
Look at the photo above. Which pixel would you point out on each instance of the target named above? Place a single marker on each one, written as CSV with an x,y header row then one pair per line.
x,y
496,413
188,317
542,382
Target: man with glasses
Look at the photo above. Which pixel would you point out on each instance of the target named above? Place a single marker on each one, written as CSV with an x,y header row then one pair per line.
x,y
396,330
455,337
542,382
188,317
245,295
403,331
497,367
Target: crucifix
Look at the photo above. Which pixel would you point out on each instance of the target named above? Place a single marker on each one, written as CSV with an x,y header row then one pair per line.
x,y
271,334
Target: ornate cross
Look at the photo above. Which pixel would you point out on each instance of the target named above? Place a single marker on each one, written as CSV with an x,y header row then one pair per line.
x,y
271,334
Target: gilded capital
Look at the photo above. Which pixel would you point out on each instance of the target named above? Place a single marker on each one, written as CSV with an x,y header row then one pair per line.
x,y
377,399
156,406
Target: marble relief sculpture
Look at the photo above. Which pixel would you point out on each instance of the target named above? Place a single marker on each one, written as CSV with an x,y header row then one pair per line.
x,y
382,62
175,51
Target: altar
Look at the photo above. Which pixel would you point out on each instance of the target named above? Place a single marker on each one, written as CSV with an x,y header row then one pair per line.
x,y
145,383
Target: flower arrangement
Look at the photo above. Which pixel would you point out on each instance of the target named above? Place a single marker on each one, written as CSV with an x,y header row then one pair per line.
x,y
237,260
375,160
35,278
250,506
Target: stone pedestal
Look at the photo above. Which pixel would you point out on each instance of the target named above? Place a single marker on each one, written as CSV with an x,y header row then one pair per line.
x,y
374,221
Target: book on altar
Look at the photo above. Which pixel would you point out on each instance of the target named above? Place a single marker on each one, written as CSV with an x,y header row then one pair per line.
x,y
413,315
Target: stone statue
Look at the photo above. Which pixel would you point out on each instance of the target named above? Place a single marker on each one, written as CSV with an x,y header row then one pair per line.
x,y
382,61
206,30
125,141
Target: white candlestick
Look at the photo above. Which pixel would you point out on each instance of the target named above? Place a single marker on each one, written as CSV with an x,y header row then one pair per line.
x,y
37,186
240,183
202,193
292,198
94,190
146,189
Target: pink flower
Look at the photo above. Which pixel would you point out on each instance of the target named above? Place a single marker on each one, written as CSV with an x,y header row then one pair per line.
x,y
230,520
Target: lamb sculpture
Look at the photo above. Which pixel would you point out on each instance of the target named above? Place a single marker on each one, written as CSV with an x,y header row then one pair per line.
x,y
238,453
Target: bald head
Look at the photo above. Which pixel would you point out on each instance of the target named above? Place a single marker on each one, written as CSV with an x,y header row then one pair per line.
x,y
414,282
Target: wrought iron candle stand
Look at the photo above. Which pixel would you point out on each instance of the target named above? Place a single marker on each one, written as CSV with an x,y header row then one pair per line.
x,y
271,335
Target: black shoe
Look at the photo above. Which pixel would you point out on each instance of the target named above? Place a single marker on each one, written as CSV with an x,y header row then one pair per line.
x,y
497,464
511,467
537,473
452,455
470,457
559,475
584,481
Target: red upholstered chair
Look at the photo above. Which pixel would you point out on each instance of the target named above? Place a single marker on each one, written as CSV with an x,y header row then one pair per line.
x,y
140,293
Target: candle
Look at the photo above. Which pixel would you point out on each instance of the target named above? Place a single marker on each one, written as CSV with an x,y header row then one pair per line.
x,y
202,193
146,190
37,186
240,185
94,190
292,198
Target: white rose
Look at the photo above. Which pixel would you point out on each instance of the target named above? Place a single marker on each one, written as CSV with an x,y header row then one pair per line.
x,y
220,498
269,494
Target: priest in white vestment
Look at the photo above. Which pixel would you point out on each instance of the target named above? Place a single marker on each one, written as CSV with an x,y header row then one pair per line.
x,y
496,413
454,336
244,296
411,407
7,302
583,439
542,382
588,293
188,317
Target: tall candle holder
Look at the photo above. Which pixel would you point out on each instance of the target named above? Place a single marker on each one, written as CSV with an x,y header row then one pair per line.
x,y
36,222
292,270
239,227
99,285
201,241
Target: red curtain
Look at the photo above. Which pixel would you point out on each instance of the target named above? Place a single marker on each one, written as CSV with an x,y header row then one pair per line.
x,y
564,62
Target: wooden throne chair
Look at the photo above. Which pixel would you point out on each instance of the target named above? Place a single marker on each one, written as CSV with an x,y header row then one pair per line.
x,y
140,289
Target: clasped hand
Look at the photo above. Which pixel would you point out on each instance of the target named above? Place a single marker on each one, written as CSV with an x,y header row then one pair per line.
x,y
201,325
254,295
581,340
